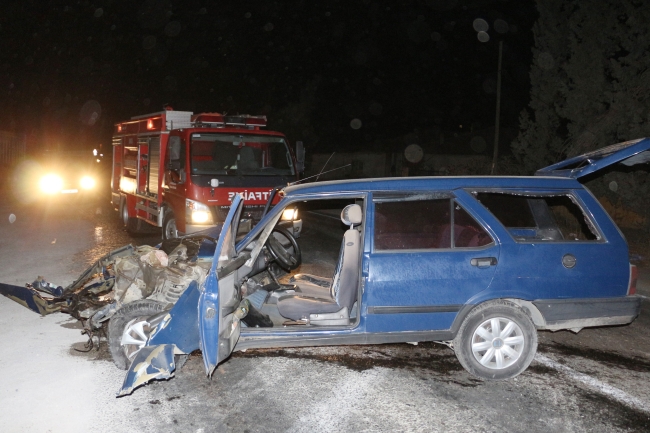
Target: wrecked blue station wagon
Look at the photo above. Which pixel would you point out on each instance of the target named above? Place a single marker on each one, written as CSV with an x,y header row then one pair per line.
x,y
481,263
478,263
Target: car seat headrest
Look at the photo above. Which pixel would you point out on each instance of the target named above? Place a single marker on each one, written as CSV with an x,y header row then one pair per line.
x,y
351,215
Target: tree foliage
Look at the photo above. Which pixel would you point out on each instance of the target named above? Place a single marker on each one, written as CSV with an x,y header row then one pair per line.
x,y
590,79
590,87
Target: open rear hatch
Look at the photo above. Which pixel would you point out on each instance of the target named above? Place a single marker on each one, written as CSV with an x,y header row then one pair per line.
x,y
628,153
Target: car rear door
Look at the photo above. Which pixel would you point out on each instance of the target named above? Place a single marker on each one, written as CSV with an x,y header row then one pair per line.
x,y
560,244
218,327
431,253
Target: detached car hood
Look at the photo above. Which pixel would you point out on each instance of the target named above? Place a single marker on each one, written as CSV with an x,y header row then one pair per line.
x,y
628,153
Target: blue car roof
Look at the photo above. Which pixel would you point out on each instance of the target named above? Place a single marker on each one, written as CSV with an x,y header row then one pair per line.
x,y
430,183
628,153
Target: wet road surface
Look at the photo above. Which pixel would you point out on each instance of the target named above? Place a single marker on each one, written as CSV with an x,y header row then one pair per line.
x,y
595,381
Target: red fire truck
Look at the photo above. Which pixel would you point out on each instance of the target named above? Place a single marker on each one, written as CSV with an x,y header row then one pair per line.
x,y
179,170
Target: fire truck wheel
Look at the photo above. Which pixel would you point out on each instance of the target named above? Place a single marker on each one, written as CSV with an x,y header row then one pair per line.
x,y
133,225
169,230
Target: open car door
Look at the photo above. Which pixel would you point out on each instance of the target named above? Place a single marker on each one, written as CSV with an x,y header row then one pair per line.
x,y
628,153
219,326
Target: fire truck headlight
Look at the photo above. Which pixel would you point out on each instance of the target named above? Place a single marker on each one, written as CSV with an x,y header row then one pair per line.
x,y
51,184
87,182
290,214
200,217
197,213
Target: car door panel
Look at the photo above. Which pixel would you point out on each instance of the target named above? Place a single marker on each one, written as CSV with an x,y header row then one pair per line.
x,y
419,290
218,327
564,268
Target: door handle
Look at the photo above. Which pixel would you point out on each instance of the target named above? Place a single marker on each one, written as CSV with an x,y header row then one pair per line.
x,y
483,262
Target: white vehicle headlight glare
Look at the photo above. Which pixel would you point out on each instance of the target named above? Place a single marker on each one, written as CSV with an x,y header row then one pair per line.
x,y
290,214
87,182
197,213
200,217
51,184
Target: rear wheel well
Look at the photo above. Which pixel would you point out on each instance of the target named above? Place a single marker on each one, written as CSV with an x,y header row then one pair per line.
x,y
531,310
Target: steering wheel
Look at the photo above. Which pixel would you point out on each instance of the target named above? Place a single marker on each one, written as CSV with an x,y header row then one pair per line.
x,y
282,255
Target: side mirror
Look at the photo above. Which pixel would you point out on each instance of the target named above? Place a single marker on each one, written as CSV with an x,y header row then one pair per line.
x,y
176,176
300,157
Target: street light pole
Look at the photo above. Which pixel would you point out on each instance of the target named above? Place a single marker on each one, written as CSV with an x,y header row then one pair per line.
x,y
498,110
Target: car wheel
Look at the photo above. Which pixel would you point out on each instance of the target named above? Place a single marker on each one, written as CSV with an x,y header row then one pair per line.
x,y
497,340
132,225
128,330
169,231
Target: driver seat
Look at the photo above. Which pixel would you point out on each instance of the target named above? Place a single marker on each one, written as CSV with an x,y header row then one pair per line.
x,y
330,305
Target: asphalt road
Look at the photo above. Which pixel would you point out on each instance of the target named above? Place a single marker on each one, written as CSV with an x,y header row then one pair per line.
x,y
594,381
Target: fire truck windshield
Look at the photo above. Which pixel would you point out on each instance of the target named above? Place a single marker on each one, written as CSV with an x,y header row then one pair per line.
x,y
243,155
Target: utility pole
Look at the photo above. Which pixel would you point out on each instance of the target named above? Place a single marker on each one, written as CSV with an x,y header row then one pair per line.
x,y
496,120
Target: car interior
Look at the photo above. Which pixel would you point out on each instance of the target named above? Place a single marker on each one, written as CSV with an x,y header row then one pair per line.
x,y
322,289
438,223
547,218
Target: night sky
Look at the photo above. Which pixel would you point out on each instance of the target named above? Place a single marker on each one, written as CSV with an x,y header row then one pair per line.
x,y
339,75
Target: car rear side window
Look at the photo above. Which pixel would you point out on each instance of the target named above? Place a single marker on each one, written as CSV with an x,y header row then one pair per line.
x,y
540,217
426,224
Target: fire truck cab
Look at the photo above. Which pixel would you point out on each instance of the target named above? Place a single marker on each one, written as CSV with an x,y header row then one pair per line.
x,y
179,170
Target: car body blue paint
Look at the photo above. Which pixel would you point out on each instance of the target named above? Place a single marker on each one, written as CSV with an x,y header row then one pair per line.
x,y
425,290
181,326
407,278
209,309
150,363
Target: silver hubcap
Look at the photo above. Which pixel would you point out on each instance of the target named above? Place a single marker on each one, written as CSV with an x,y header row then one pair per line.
x,y
497,343
170,229
134,336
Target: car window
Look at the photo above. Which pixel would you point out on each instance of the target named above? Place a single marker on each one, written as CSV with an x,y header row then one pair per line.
x,y
536,217
467,232
426,224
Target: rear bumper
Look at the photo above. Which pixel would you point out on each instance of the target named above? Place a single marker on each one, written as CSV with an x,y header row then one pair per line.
x,y
582,313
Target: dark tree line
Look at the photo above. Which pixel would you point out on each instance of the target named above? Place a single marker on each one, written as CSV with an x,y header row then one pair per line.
x,y
590,87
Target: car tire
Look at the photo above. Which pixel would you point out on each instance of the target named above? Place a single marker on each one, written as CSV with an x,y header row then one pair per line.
x,y
127,319
497,340
132,225
169,228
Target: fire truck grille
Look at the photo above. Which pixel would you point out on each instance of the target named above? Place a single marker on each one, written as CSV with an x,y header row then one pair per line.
x,y
253,212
